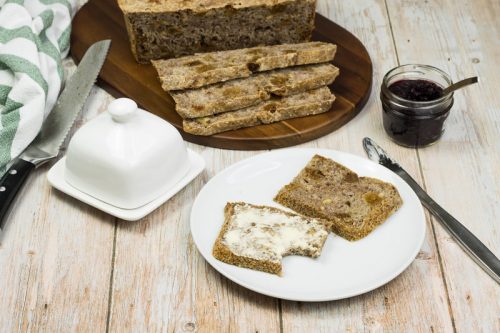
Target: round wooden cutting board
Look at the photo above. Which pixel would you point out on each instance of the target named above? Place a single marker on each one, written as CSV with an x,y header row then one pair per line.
x,y
121,76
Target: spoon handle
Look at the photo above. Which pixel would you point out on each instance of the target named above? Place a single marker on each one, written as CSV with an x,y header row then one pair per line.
x,y
460,84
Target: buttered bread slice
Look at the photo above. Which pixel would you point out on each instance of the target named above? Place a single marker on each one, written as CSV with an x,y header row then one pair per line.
x,y
258,237
207,68
241,93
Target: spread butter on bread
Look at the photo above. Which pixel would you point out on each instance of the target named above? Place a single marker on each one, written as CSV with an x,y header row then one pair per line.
x,y
258,237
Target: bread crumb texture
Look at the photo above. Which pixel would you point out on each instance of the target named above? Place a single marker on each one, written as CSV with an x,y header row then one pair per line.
x,y
353,205
241,93
207,68
258,237
276,109
169,28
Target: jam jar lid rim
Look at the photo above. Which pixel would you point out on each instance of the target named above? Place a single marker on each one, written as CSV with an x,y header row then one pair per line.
x,y
389,93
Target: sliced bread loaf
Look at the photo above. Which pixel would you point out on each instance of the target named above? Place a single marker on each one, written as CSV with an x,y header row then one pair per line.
x,y
328,190
208,68
278,108
258,237
172,28
241,93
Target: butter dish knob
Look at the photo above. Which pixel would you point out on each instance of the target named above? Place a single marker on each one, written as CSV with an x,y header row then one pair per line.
x,y
122,109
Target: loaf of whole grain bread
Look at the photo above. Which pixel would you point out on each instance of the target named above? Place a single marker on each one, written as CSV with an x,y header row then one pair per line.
x,y
241,93
258,237
207,68
276,109
171,28
328,190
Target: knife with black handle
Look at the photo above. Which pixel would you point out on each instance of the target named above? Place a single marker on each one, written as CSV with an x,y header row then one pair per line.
x,y
467,241
55,128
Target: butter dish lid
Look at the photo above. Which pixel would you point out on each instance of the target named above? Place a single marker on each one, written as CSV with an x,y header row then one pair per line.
x,y
126,157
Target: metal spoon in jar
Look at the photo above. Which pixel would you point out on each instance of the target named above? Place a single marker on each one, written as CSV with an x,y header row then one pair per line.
x,y
460,84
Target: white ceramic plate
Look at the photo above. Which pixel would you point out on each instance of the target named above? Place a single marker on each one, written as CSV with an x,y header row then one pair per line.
x,y
56,179
344,268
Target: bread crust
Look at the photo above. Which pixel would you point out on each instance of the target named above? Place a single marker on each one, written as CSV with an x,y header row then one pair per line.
x,y
354,205
197,6
208,68
308,103
221,252
241,93
163,29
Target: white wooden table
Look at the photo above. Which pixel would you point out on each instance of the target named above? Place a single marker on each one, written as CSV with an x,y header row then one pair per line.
x,y
65,266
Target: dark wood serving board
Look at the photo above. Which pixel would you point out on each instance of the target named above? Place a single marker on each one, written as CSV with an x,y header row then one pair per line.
x,y
123,77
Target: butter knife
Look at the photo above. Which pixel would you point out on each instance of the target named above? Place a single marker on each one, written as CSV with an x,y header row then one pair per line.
x,y
467,241
55,128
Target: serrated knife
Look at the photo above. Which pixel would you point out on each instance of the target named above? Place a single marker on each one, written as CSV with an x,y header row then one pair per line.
x,y
467,241
56,126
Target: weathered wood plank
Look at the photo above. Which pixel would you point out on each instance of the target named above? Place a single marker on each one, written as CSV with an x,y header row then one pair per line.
x,y
55,258
462,171
415,301
161,282
56,255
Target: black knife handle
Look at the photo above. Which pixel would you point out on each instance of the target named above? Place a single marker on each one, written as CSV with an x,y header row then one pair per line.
x,y
10,184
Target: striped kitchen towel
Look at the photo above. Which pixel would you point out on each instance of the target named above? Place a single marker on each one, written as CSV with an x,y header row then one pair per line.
x,y
34,36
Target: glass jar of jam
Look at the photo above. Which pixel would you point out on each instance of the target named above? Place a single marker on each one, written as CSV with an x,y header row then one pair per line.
x,y
414,106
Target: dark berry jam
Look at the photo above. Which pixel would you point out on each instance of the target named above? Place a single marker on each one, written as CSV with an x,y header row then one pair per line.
x,y
411,131
416,119
416,90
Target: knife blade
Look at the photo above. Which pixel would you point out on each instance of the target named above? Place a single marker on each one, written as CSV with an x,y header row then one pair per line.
x,y
55,127
481,255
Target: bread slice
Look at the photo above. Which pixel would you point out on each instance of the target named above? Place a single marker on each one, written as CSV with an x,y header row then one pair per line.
x,y
328,190
258,237
207,68
280,108
171,28
241,93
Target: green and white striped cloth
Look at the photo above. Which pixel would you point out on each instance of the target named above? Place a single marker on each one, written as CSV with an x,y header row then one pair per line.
x,y
34,36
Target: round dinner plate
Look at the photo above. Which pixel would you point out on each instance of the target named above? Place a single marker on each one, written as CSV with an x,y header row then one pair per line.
x,y
344,268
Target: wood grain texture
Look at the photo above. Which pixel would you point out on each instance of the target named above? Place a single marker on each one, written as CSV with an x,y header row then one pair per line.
x,y
416,301
101,19
55,258
166,286
462,171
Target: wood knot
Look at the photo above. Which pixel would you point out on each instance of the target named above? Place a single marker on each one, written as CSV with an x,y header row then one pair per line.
x,y
424,256
189,327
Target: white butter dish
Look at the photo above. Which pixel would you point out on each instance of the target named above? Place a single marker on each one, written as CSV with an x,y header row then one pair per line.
x,y
126,162
56,179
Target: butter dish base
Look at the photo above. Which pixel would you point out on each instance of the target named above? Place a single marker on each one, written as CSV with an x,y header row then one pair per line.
x,y
56,178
